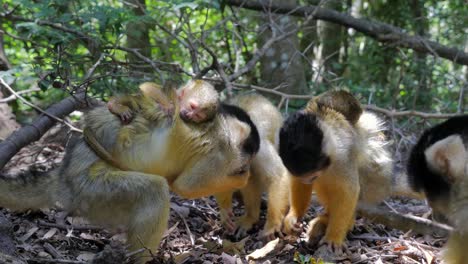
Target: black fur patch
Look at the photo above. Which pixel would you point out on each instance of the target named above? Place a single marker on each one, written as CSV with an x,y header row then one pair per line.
x,y
420,176
301,143
252,143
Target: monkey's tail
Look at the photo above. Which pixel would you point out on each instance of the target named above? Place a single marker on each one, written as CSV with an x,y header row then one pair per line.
x,y
29,191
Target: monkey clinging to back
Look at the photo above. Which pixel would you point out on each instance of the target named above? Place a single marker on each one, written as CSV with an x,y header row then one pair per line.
x,y
336,149
438,166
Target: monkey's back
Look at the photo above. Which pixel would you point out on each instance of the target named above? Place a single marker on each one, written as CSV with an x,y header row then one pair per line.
x,y
263,113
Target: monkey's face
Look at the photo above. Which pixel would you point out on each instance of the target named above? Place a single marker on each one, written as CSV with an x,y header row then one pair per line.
x,y
302,145
198,102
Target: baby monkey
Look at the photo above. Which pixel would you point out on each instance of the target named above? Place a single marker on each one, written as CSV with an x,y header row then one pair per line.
x,y
198,102
438,166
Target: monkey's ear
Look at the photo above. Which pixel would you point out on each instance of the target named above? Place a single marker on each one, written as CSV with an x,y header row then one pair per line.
x,y
448,157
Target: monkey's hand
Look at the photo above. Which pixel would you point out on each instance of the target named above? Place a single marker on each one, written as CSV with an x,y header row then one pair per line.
x,y
338,249
291,225
226,218
122,111
316,237
270,232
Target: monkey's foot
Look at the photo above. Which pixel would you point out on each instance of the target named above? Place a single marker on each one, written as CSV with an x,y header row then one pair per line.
x,y
291,226
338,249
316,231
244,224
271,231
226,218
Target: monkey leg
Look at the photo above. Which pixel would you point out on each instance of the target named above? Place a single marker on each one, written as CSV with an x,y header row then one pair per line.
x,y
251,195
300,195
278,201
340,201
225,210
137,200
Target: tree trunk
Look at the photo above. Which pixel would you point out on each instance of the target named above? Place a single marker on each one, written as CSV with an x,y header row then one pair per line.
x,y
309,43
282,63
330,36
422,96
138,33
4,63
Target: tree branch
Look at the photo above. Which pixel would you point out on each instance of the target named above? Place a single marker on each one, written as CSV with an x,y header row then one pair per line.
x,y
34,131
380,31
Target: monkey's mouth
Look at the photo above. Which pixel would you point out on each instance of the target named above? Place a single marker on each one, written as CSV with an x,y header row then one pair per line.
x,y
185,116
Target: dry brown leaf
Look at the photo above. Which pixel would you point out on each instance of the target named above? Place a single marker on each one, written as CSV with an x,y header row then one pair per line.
x,y
262,252
234,248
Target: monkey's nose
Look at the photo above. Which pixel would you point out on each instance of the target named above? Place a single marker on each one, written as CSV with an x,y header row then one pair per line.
x,y
184,115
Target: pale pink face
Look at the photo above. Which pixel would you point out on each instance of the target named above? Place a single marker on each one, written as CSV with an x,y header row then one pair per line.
x,y
190,109
198,102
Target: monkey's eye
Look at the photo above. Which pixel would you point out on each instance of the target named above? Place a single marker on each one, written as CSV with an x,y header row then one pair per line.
x,y
242,170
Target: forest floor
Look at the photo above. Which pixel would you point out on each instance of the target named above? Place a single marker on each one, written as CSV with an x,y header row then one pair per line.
x,y
195,236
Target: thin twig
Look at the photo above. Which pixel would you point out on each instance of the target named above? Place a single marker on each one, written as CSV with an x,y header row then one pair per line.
x,y
67,227
13,97
4,84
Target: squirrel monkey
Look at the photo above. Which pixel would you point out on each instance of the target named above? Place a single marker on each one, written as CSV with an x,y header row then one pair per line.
x,y
198,101
192,161
438,166
336,149
267,172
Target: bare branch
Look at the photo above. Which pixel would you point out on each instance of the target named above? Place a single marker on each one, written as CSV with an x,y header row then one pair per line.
x,y
389,113
13,92
380,31
14,97
34,131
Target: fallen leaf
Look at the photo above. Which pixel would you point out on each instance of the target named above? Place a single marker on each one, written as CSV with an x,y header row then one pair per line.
x,y
87,256
228,258
50,233
262,252
234,248
29,234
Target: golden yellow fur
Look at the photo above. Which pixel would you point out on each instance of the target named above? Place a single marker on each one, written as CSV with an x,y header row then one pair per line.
x,y
267,171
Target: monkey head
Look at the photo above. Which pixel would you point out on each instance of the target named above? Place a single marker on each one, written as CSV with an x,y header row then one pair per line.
x,y
302,146
198,101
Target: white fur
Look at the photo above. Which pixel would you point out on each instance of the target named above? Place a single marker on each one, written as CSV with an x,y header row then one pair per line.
x,y
448,151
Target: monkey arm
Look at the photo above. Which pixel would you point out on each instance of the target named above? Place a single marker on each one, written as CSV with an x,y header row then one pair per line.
x,y
124,106
207,177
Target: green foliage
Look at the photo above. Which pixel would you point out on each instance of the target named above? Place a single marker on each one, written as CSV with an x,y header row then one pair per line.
x,y
307,259
53,44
